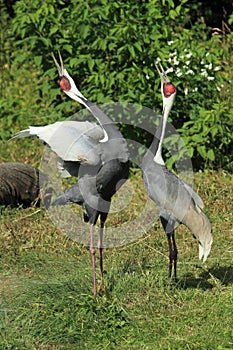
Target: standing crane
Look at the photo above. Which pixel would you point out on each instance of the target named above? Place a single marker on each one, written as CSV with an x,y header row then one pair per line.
x,y
96,153
178,202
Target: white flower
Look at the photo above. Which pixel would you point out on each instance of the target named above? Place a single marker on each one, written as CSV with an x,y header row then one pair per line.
x,y
175,62
188,55
169,70
179,73
217,68
204,73
147,77
171,54
207,54
190,71
188,63
186,90
209,66
170,42
219,88
210,78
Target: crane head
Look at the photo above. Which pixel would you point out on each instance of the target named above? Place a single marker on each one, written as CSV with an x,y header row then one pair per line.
x,y
168,89
67,83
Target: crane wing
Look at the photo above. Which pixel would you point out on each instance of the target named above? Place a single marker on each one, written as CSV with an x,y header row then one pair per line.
x,y
72,141
196,198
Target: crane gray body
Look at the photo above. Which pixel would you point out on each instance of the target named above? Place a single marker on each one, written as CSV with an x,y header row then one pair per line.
x,y
95,153
178,202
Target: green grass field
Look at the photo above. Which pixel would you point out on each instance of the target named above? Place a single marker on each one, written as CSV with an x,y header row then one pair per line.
x,y
46,299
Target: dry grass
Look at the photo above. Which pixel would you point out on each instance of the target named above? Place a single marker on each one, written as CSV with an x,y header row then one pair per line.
x,y
46,284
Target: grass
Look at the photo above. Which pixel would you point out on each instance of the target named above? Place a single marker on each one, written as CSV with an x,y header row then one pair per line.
x,y
46,297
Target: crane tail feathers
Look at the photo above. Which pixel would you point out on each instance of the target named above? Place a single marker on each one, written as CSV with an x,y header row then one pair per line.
x,y
205,250
200,226
205,237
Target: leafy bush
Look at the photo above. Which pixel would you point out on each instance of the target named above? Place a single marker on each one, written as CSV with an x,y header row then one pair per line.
x,y
203,112
111,49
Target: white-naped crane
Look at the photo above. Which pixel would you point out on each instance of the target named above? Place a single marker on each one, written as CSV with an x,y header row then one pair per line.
x,y
178,202
96,153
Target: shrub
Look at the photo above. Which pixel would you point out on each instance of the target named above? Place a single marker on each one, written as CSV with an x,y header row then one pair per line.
x,y
111,49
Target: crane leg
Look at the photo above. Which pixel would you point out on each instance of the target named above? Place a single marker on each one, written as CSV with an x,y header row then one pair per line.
x,y
100,246
173,252
92,251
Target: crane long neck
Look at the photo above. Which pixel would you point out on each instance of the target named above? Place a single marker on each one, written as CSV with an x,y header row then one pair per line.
x,y
111,130
156,146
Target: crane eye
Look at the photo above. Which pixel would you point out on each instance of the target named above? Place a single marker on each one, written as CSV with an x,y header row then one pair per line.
x,y
65,84
168,89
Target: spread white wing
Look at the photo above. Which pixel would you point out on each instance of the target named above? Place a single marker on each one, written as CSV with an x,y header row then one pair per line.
x,y
72,141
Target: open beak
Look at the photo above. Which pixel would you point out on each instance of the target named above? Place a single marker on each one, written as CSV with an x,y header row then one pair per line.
x,y
67,83
162,74
60,68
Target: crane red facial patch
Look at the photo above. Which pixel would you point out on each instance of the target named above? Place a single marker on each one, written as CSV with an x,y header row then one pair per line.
x,y
65,84
168,89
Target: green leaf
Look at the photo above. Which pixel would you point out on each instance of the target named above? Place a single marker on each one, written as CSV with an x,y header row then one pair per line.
x,y
172,14
138,46
84,31
210,155
46,41
68,48
38,60
90,63
197,138
53,30
131,50
202,151
190,151
111,46
214,130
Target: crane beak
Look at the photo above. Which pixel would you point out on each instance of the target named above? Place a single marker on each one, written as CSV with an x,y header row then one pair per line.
x,y
61,69
69,87
162,74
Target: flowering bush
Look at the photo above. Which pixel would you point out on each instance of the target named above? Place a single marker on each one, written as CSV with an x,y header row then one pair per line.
x,y
111,49
204,106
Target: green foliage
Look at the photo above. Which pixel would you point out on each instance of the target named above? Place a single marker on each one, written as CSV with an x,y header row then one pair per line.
x,y
111,49
210,135
111,46
204,99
